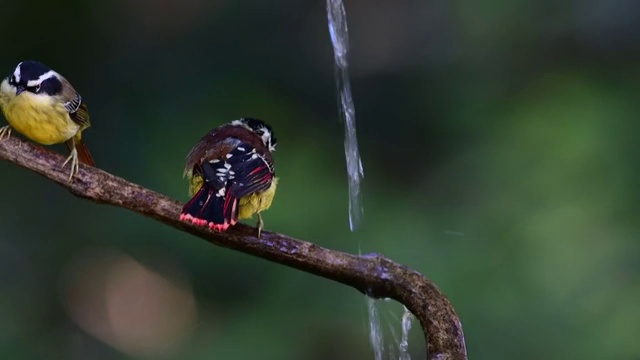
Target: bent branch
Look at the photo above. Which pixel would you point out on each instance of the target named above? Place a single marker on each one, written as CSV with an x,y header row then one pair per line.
x,y
373,274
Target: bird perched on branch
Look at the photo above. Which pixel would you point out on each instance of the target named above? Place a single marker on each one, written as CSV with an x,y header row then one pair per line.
x,y
231,175
43,106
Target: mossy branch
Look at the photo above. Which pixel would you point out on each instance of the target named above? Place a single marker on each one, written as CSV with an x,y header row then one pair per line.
x,y
372,274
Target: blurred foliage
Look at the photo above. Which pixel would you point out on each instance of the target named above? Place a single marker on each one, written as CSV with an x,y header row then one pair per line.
x,y
499,149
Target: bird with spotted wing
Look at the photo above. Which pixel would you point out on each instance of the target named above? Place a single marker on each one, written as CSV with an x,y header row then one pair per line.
x,y
231,174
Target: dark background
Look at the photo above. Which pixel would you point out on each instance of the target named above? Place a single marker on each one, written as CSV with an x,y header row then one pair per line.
x,y
499,143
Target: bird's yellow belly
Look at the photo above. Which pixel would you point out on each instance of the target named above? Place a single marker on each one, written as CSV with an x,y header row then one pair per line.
x,y
43,123
257,202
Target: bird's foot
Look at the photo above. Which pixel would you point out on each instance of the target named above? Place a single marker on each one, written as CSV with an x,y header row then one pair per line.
x,y
73,159
260,225
5,132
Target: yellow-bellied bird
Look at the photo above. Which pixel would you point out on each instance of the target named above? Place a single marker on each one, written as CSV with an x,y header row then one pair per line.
x,y
231,175
43,106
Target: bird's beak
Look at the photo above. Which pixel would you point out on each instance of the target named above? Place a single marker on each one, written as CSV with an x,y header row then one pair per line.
x,y
20,89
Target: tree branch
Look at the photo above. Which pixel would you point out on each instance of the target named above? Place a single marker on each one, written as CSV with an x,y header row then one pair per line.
x,y
372,274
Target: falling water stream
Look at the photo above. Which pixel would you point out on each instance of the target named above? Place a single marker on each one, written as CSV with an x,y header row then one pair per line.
x,y
339,33
403,348
340,40
376,336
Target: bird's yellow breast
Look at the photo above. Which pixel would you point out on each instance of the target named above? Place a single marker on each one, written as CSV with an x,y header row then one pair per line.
x,y
250,204
40,118
257,202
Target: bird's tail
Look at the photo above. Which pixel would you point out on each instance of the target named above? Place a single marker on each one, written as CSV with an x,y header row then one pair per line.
x,y
210,207
84,156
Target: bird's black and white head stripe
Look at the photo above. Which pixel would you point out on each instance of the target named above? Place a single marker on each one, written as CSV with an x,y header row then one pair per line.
x,y
36,78
260,128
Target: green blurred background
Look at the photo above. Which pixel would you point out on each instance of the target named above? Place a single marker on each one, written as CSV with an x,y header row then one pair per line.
x,y
500,154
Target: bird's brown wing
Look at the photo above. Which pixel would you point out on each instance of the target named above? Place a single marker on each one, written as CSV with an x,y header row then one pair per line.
x,y
72,101
208,148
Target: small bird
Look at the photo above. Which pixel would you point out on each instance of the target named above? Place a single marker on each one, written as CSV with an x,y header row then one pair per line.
x,y
43,106
231,175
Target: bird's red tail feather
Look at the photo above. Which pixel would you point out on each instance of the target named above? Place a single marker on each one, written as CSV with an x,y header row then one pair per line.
x,y
208,209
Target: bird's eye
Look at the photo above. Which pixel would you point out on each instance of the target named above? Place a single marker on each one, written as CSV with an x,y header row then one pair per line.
x,y
12,80
36,89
